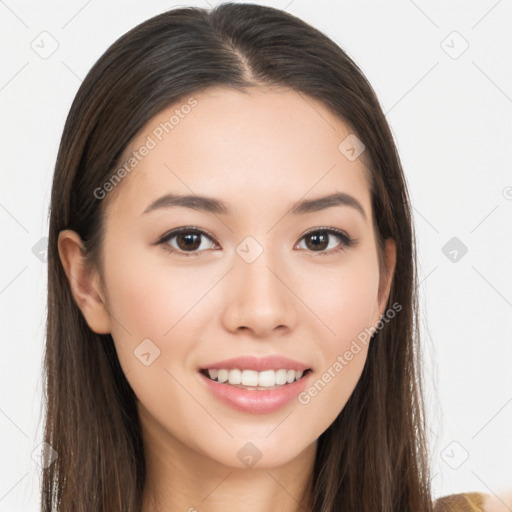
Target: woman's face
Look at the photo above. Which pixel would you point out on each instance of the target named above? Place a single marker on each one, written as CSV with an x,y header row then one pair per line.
x,y
265,281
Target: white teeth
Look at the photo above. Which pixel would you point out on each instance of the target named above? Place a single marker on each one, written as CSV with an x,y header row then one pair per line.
x,y
249,377
281,377
222,375
267,378
235,377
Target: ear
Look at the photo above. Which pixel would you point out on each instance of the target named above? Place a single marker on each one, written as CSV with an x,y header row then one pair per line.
x,y
84,282
386,277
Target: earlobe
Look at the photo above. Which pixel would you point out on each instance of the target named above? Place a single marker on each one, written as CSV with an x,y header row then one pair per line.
x,y
84,282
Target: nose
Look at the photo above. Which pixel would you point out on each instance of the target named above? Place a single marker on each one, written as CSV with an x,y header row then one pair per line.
x,y
260,297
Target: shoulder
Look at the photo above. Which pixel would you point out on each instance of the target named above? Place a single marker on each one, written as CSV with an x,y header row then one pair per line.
x,y
470,502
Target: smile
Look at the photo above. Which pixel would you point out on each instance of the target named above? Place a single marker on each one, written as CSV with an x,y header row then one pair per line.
x,y
256,399
253,380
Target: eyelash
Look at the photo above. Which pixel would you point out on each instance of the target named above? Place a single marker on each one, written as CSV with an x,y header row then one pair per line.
x,y
346,241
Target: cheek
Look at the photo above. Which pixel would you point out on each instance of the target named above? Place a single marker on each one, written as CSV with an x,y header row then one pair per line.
x,y
158,301
344,301
346,310
151,297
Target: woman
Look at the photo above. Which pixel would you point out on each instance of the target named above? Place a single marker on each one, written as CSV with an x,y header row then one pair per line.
x,y
232,308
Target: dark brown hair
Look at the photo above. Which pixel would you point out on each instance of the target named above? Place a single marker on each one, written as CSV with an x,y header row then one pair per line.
x,y
374,456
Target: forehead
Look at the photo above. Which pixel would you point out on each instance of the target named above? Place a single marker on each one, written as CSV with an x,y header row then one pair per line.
x,y
256,147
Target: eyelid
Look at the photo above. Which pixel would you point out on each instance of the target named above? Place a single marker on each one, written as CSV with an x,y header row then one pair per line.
x,y
185,229
328,229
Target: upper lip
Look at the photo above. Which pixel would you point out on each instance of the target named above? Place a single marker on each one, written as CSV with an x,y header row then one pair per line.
x,y
257,364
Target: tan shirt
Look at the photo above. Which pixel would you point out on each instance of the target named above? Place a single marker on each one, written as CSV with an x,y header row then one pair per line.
x,y
462,502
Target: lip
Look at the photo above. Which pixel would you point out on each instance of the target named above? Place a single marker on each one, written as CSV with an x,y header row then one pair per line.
x,y
257,364
254,401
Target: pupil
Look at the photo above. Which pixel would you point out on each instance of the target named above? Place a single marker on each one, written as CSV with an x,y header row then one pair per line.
x,y
188,238
319,237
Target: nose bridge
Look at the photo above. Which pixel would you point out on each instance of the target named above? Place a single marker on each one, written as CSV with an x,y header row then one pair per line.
x,y
260,300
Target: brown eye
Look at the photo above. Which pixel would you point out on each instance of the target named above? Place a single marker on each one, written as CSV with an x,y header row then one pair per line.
x,y
321,241
186,240
318,241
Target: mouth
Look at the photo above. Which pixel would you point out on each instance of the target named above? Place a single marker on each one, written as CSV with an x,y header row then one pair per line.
x,y
253,380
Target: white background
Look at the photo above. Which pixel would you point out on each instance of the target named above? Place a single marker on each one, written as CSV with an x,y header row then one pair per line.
x,y
452,122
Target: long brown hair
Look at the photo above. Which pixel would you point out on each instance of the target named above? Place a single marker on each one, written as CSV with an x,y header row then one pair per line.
x,y
374,455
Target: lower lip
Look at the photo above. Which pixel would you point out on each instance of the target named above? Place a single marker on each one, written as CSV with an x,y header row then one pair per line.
x,y
254,401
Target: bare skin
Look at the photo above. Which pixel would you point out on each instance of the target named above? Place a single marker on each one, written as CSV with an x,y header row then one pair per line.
x,y
258,152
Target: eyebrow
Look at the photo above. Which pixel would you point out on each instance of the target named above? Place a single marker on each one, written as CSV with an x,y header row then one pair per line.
x,y
211,205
